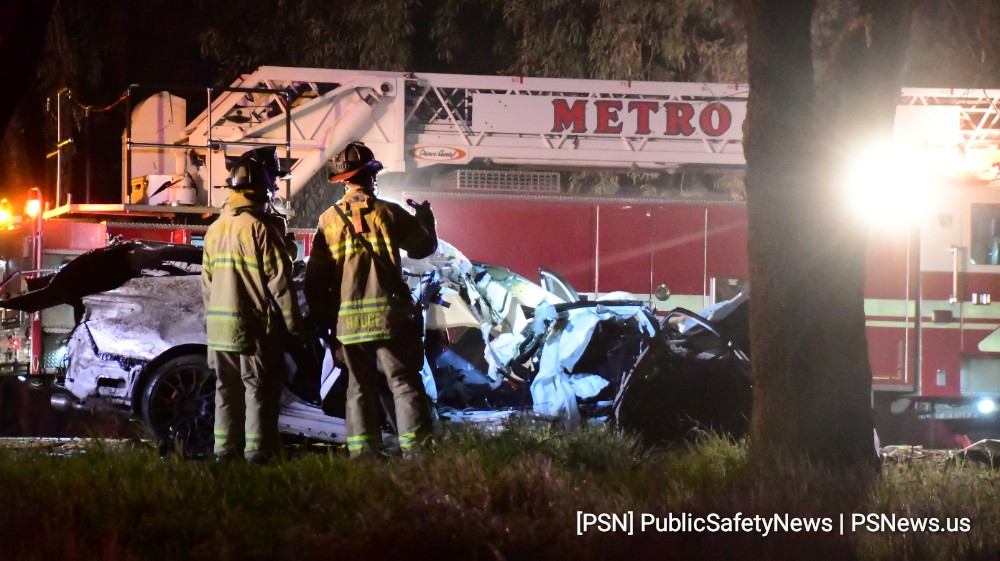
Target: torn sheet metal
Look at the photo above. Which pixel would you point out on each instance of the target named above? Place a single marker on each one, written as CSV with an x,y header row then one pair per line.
x,y
147,316
107,268
567,337
522,328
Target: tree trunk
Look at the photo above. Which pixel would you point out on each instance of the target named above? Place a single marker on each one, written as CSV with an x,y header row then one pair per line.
x,y
812,386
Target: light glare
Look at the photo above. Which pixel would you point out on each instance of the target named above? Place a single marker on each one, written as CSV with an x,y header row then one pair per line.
x,y
986,406
33,207
887,185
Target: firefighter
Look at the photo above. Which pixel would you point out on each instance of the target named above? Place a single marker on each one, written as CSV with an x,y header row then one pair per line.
x,y
251,309
354,281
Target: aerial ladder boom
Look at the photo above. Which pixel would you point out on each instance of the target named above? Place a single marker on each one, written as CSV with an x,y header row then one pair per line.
x,y
414,121
418,120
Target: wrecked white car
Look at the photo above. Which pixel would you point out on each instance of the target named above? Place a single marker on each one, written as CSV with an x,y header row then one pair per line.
x,y
497,345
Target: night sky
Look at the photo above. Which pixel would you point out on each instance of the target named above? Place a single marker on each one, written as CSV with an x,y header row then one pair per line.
x,y
122,42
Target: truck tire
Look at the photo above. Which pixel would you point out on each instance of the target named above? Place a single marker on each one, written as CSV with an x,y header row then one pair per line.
x,y
178,405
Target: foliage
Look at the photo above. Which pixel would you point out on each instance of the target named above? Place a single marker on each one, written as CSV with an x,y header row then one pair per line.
x,y
69,27
468,36
958,45
685,40
513,495
605,39
638,40
199,43
317,196
370,34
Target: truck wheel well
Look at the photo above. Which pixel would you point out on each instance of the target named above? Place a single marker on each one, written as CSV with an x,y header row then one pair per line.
x,y
151,366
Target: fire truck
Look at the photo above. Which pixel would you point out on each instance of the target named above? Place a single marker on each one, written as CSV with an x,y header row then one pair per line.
x,y
498,158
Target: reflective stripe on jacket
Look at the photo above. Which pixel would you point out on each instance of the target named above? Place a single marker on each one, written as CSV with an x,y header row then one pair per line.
x,y
342,280
246,279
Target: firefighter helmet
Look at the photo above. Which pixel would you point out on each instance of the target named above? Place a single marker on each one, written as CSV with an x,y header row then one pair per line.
x,y
352,160
257,170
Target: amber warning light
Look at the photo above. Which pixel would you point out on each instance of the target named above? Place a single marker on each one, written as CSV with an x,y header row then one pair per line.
x,y
6,215
34,204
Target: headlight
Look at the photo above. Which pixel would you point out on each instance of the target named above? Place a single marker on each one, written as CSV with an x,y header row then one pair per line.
x,y
986,406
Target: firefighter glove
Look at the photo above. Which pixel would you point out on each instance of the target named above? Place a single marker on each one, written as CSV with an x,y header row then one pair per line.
x,y
423,213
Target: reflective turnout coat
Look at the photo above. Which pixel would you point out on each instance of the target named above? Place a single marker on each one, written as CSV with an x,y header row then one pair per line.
x,y
246,280
342,280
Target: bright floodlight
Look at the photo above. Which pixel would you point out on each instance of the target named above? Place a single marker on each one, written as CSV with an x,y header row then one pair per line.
x,y
887,185
986,406
33,207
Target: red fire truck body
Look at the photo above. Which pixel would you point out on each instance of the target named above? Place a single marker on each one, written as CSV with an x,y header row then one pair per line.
x,y
490,153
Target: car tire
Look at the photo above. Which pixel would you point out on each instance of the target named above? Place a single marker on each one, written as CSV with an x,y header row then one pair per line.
x,y
178,405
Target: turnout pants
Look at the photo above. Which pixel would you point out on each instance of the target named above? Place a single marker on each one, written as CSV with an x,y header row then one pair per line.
x,y
247,394
400,362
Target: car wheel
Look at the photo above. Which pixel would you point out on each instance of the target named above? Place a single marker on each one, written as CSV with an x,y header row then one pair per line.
x,y
178,405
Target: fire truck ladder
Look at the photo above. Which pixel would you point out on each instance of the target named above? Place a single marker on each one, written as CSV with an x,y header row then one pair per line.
x,y
970,119
413,121
417,120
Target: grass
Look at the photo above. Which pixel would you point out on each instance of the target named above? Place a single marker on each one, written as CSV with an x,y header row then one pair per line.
x,y
514,495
